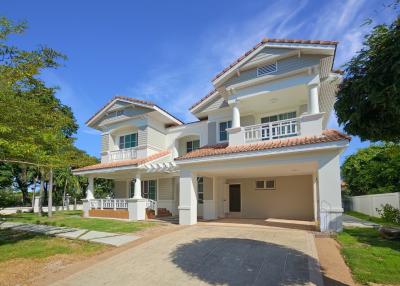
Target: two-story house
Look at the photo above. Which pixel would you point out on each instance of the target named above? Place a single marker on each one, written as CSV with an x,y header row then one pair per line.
x,y
260,148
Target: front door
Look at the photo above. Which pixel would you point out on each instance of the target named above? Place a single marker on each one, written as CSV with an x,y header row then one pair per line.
x,y
234,198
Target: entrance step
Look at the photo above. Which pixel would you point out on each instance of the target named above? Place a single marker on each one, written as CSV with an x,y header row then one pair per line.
x,y
161,212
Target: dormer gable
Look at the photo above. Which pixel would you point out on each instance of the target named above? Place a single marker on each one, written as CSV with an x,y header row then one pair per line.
x,y
121,108
270,51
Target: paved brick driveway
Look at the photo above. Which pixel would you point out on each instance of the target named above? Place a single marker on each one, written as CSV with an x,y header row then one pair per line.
x,y
211,255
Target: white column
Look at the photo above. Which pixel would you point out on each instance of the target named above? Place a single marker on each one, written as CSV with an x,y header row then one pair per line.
x,y
329,192
137,194
235,115
187,198
90,189
313,104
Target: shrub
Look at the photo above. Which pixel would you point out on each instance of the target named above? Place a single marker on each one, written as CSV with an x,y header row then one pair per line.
x,y
9,198
389,213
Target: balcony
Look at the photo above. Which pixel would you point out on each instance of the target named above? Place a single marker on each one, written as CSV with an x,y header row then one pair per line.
x,y
123,154
272,130
305,125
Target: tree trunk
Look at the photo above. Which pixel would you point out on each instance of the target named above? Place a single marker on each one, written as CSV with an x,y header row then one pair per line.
x,y
50,194
34,191
21,178
41,192
64,192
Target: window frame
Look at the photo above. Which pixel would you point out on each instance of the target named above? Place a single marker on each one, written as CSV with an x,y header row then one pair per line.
x,y
229,125
192,144
143,185
265,184
124,136
200,182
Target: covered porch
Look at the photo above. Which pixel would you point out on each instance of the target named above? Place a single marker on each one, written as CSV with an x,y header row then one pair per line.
x,y
139,192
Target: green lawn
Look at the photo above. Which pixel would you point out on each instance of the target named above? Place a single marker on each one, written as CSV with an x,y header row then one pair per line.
x,y
370,257
75,219
373,219
16,244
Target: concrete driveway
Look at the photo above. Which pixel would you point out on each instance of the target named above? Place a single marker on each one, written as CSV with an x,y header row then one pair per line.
x,y
211,255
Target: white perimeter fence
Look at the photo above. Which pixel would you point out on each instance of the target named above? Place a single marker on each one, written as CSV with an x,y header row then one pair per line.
x,y
369,203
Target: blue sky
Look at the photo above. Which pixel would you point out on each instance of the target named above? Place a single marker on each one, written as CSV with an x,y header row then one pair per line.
x,y
168,51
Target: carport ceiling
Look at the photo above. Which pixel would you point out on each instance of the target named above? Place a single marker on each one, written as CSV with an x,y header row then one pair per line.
x,y
261,171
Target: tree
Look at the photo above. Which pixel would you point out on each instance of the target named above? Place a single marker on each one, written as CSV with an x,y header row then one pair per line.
x,y
36,129
368,100
373,170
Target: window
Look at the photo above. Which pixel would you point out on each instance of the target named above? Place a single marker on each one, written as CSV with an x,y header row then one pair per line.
x,y
266,184
223,134
149,189
260,184
267,69
281,116
192,145
128,141
115,113
200,190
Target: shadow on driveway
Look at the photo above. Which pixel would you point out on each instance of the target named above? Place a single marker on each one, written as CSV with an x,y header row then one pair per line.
x,y
234,261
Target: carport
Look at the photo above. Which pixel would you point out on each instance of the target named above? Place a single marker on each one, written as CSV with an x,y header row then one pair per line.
x,y
299,186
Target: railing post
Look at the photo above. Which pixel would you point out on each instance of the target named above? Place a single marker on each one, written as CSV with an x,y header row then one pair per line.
x,y
115,204
101,204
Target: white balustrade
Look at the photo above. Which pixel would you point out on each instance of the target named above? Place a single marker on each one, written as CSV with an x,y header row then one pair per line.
x,y
109,204
152,205
123,154
272,130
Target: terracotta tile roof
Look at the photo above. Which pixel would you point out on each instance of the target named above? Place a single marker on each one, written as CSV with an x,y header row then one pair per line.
x,y
222,149
137,162
133,100
267,40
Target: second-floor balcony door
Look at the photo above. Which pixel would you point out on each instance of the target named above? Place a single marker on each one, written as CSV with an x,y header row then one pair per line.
x,y
285,129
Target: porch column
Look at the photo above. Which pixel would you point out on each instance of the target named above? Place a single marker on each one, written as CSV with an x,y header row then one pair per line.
x,y
313,104
137,205
137,194
330,199
90,189
187,198
235,115
236,133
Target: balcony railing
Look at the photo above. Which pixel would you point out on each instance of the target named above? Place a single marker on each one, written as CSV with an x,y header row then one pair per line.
x,y
108,204
272,130
123,154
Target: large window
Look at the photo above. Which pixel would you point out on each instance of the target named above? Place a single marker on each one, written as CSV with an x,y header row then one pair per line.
x,y
128,141
149,189
200,190
282,116
223,134
192,145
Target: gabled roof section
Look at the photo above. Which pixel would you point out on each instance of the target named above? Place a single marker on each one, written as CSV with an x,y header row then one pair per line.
x,y
265,42
210,95
252,52
328,135
138,102
125,163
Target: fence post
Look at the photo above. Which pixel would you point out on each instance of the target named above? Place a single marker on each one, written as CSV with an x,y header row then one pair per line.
x,y
115,204
101,204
